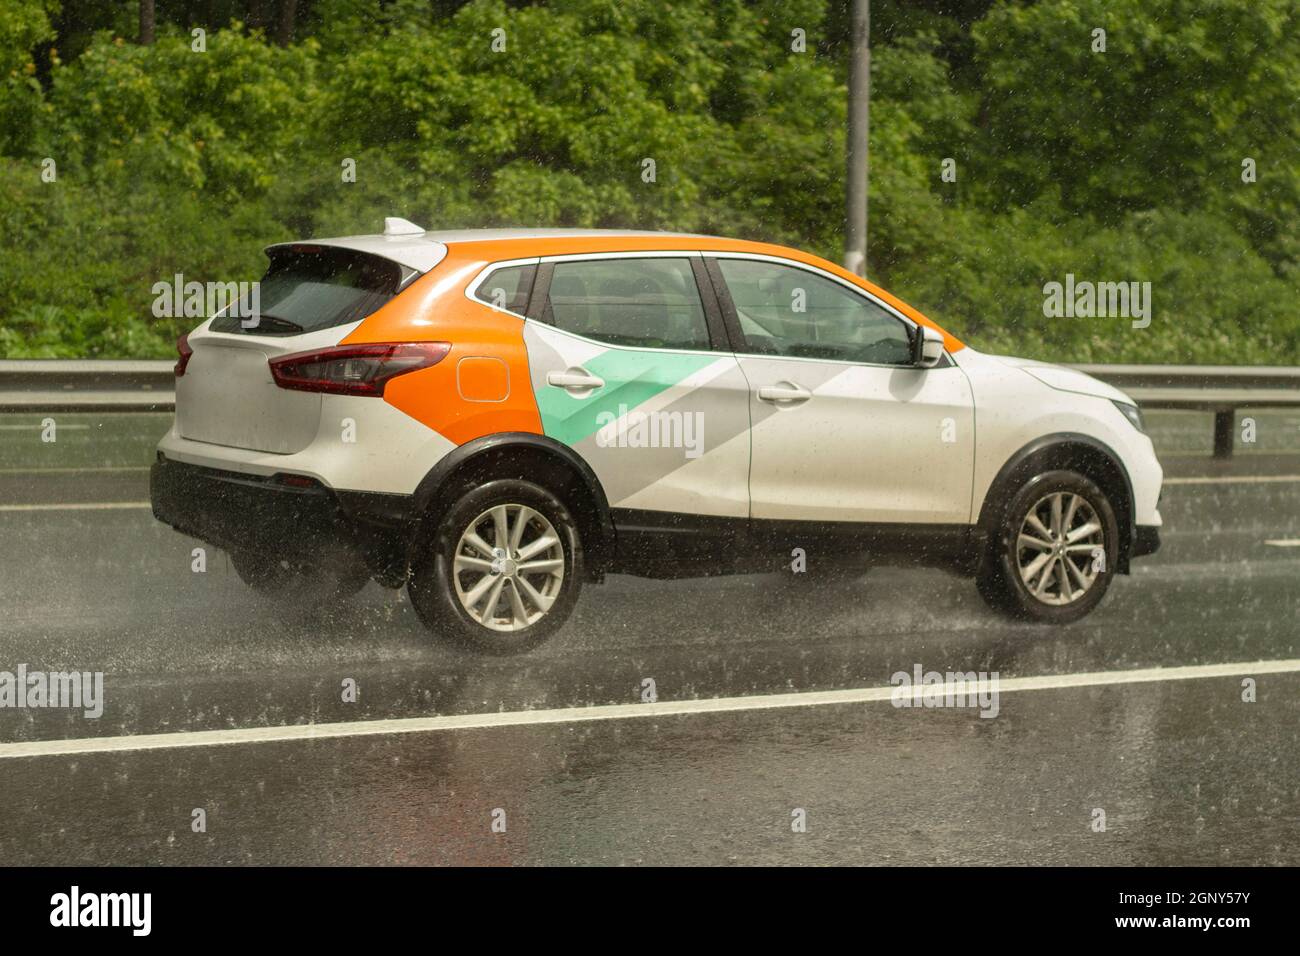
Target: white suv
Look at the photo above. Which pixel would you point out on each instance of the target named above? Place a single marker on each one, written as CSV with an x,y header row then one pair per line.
x,y
493,417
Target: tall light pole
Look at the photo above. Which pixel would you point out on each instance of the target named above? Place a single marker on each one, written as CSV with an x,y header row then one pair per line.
x,y
855,193
146,22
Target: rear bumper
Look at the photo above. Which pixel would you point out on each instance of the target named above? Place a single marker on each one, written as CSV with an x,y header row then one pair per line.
x,y
237,511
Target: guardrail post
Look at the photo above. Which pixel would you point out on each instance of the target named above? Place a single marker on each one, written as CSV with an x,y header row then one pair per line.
x,y
1224,422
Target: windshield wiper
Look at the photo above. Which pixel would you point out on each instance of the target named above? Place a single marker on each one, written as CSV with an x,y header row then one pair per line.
x,y
275,322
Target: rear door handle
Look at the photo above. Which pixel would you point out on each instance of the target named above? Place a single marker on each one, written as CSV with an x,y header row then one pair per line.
x,y
786,393
575,380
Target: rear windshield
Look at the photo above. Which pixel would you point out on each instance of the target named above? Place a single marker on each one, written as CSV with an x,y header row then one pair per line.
x,y
311,287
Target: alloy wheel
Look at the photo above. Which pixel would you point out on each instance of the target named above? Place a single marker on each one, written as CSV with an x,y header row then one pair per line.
x,y
508,567
1057,548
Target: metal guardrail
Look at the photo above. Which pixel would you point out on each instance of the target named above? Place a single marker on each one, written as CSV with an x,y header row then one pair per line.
x,y
1208,376
59,385
86,385
1221,389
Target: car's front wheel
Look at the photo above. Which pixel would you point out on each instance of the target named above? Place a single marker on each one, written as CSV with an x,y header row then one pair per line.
x,y
502,569
1053,553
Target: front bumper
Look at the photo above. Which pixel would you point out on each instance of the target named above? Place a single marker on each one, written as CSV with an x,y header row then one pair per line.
x,y
284,515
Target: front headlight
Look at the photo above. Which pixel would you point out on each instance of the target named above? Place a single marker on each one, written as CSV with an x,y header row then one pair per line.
x,y
1132,414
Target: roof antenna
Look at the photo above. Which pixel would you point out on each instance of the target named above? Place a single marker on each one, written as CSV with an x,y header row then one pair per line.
x,y
395,226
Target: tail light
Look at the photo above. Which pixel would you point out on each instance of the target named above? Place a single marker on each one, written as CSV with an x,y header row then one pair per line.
x,y
184,352
355,369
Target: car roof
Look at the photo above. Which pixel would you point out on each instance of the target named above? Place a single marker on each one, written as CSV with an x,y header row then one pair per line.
x,y
493,235
424,250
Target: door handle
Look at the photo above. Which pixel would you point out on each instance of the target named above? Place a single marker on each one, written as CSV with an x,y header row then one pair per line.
x,y
575,380
783,393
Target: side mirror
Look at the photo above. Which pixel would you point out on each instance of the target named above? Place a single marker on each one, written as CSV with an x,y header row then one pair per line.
x,y
927,347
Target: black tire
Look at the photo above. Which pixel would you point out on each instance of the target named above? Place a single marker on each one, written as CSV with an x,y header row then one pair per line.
x,y
296,580
433,586
262,572
1000,580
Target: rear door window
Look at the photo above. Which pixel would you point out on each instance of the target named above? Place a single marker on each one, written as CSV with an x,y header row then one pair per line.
x,y
309,287
647,303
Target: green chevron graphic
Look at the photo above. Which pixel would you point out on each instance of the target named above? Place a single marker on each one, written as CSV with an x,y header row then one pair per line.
x,y
631,378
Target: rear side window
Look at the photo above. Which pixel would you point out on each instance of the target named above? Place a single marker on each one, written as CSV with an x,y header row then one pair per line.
x,y
650,303
309,287
507,288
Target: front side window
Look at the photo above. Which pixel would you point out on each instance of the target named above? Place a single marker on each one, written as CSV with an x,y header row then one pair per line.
x,y
648,303
784,310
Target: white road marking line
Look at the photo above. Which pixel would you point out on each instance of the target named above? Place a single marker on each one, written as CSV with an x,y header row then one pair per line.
x,y
71,471
565,715
1229,479
88,506
1284,542
36,427
105,413
1240,454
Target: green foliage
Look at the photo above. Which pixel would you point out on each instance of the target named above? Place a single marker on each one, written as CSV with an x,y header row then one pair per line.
x,y
221,121
24,24
1163,119
1115,166
1239,313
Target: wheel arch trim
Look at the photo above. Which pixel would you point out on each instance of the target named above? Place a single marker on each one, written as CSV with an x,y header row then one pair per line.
x,y
1003,485
599,551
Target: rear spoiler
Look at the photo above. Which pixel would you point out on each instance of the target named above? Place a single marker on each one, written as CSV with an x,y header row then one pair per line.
x,y
413,252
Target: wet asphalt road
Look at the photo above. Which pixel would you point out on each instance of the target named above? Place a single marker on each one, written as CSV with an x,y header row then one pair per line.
x,y
1185,771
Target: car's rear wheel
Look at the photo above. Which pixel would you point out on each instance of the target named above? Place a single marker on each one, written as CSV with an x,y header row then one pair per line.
x,y
1053,553
502,569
